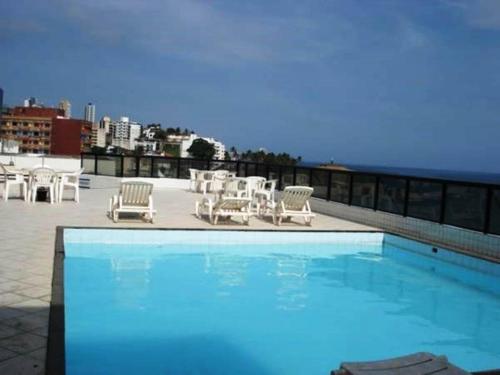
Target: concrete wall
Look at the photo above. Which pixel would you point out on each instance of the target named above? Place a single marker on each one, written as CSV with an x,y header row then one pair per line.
x,y
25,161
105,182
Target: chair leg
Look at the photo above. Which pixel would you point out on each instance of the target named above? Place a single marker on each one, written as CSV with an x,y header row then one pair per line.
x,y
77,194
25,192
6,192
51,192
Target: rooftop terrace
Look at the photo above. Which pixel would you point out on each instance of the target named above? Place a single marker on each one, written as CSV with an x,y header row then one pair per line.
x,y
27,233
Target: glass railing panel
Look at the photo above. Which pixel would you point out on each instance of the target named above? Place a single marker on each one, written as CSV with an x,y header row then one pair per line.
x,y
165,168
302,178
319,182
424,200
363,191
186,164
339,188
88,163
391,195
129,166
465,206
261,170
251,169
241,170
109,165
495,213
274,172
286,177
145,165
223,165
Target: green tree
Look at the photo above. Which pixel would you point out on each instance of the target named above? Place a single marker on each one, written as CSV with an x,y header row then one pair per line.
x,y
201,149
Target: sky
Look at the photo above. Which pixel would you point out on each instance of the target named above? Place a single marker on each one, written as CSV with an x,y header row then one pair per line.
x,y
392,83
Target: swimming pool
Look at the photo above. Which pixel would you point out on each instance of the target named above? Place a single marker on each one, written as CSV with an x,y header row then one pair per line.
x,y
226,302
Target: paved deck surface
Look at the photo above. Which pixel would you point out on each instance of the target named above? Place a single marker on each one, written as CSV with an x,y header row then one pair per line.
x,y
27,235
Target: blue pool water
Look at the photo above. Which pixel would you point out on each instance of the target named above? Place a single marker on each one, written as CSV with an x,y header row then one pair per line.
x,y
269,308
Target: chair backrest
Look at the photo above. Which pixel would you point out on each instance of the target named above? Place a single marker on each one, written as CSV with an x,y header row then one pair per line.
x,y
135,193
192,173
270,185
255,183
294,198
236,186
43,176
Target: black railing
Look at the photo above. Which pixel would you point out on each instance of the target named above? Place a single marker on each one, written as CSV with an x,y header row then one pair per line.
x,y
469,205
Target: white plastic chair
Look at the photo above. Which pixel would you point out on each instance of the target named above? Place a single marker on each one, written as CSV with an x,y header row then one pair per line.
x,y
294,202
43,178
219,180
71,180
11,178
192,179
265,197
204,181
236,187
134,197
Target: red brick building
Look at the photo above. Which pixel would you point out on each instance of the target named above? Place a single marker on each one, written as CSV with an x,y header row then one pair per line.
x,y
70,136
45,131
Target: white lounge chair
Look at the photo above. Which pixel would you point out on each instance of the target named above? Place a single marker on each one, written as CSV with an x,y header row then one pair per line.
x,y
224,207
134,197
294,202
43,178
71,180
10,178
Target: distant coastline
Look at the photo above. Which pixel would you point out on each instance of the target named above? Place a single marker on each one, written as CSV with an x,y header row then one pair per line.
x,y
481,177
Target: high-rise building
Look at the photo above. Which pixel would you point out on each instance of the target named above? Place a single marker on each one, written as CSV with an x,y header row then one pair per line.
x,y
90,113
124,133
65,105
31,102
100,132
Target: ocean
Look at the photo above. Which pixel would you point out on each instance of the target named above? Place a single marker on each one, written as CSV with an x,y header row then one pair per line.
x,y
489,178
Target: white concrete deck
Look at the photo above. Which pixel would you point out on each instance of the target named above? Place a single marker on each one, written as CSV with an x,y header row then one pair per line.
x,y
27,235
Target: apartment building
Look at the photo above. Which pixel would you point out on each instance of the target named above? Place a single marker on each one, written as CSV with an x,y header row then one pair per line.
x,y
186,141
45,131
125,133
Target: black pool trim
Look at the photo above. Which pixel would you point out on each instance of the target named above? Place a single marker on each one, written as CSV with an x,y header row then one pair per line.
x,y
56,361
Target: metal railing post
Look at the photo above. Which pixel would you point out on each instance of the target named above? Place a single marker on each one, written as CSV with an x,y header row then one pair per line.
x,y
152,167
375,193
294,176
487,210
407,197
444,189
329,186
95,165
280,176
137,165
122,165
178,168
351,183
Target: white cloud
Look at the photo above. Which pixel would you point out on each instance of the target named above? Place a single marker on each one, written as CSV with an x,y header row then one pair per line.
x,y
199,30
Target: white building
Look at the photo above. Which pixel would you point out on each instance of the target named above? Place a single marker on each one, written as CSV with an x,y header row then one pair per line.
x,y
90,113
100,131
65,105
187,141
124,133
